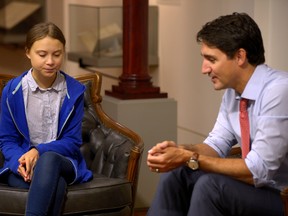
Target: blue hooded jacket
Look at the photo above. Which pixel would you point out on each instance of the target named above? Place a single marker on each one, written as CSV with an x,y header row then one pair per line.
x,y
14,133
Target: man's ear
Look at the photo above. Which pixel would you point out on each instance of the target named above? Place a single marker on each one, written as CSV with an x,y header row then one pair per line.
x,y
241,56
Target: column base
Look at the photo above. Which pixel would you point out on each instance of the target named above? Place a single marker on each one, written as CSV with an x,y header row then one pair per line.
x,y
136,93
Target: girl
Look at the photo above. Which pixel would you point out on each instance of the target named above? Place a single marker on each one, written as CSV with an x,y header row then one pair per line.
x,y
40,125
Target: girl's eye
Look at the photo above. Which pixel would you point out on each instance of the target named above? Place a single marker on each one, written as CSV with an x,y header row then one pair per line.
x,y
57,54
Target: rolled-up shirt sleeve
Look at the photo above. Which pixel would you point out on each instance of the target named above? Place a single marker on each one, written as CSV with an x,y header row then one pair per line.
x,y
221,138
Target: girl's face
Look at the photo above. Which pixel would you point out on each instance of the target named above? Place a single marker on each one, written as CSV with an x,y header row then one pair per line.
x,y
46,56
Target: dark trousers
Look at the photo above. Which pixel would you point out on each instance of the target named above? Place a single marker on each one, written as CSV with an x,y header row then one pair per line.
x,y
183,192
47,190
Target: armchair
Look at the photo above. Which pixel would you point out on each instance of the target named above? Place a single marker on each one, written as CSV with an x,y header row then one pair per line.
x,y
112,152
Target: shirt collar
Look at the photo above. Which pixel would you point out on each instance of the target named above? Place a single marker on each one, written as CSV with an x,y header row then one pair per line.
x,y
57,85
252,88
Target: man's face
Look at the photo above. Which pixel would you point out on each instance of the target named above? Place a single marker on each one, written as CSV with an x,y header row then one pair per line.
x,y
222,70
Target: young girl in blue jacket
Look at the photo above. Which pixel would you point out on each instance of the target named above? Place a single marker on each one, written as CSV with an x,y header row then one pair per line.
x,y
40,125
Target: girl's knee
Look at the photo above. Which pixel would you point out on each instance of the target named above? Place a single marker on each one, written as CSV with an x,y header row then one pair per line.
x,y
49,156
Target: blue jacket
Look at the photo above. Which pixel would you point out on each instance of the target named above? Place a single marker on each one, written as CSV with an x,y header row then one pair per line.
x,y
14,133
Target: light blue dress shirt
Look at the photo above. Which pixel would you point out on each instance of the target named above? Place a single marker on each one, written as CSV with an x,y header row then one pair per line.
x,y
267,91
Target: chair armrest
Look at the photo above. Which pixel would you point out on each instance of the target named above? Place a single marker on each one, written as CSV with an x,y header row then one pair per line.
x,y
284,197
121,145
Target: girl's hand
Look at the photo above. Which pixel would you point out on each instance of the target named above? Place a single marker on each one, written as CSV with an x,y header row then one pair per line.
x,y
27,163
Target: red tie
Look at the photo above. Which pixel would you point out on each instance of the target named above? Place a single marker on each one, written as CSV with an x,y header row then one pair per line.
x,y
244,125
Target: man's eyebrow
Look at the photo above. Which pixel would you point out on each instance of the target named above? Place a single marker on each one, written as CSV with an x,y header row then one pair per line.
x,y
207,55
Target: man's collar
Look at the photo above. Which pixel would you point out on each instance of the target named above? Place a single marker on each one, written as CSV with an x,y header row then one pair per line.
x,y
252,89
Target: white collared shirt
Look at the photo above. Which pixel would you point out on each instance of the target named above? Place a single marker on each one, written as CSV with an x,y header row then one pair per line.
x,y
42,107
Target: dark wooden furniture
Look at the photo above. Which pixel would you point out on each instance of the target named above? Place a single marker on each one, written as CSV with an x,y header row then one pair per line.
x,y
111,150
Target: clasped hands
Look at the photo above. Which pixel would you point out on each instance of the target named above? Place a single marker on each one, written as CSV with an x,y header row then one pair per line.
x,y
166,156
27,163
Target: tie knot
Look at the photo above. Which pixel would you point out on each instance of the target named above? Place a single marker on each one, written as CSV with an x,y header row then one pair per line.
x,y
243,104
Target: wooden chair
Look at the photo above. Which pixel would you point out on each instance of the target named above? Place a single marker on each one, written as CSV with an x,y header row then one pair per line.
x,y
111,150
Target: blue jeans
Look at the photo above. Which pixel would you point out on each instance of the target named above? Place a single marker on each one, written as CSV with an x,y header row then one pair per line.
x,y
48,187
183,192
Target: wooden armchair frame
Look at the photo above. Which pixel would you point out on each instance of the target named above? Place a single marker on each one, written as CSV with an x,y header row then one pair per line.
x,y
136,150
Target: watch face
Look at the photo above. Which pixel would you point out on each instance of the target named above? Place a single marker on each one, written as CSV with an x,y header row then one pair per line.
x,y
193,164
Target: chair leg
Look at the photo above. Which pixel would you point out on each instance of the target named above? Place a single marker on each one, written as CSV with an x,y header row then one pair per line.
x,y
284,196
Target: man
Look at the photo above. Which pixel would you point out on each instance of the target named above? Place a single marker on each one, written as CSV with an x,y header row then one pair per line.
x,y
199,179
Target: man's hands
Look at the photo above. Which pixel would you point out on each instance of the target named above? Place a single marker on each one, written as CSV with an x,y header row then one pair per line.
x,y
27,163
167,156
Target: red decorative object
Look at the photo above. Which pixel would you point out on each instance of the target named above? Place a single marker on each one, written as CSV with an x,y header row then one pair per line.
x,y
135,82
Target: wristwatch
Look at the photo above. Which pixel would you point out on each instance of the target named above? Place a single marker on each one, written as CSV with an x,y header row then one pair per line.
x,y
193,161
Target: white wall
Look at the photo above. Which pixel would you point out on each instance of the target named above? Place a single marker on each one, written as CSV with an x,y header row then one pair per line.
x,y
54,12
180,60
272,18
179,71
180,63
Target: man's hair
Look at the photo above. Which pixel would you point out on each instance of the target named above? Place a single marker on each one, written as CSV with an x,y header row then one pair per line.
x,y
230,33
